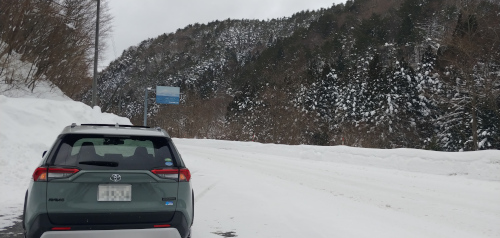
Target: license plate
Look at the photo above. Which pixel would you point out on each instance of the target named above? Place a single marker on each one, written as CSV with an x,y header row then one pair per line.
x,y
114,193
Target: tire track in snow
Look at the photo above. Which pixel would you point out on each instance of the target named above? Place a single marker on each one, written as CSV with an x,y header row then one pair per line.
x,y
204,191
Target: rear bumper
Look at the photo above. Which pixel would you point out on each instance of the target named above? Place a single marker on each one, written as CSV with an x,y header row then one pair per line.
x,y
42,227
150,233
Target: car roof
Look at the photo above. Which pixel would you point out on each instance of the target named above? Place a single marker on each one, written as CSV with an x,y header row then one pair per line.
x,y
110,129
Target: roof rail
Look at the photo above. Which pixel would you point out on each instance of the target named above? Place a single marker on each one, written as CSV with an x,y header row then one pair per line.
x,y
115,125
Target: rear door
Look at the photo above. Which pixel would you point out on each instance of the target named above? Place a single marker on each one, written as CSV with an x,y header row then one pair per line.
x,y
113,182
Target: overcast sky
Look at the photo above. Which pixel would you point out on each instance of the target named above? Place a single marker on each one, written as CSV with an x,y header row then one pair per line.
x,y
137,20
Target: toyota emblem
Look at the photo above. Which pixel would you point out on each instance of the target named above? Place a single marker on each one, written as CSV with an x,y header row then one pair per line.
x,y
115,177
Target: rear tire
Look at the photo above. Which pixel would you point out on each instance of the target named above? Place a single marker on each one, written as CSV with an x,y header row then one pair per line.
x,y
24,212
192,218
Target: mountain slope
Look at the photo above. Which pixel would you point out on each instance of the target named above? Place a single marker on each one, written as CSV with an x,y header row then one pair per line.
x,y
381,74
199,57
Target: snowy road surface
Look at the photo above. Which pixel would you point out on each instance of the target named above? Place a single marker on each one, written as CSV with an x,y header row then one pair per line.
x,y
255,190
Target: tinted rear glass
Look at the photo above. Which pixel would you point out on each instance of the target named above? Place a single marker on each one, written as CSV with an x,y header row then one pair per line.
x,y
99,152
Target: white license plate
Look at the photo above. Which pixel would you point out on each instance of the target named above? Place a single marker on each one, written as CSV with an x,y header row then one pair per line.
x,y
114,193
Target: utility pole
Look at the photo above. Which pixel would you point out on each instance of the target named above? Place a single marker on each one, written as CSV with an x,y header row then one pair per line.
x,y
146,106
96,54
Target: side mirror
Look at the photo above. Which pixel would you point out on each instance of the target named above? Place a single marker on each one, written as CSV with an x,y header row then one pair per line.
x,y
45,152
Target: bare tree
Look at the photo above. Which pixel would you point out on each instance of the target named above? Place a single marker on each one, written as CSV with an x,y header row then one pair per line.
x,y
56,37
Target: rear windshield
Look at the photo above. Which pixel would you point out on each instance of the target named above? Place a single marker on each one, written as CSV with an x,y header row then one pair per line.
x,y
99,152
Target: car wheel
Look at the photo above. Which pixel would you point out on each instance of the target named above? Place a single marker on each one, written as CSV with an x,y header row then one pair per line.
x,y
24,210
192,218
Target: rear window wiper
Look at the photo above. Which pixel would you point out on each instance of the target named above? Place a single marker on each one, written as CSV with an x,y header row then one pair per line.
x,y
101,163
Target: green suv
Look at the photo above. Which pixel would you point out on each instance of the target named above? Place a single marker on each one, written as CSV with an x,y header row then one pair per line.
x,y
110,181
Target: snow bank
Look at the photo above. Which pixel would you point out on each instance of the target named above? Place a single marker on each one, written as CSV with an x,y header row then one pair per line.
x,y
43,89
483,165
29,126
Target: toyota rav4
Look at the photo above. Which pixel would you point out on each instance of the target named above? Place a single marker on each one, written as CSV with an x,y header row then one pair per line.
x,y
110,181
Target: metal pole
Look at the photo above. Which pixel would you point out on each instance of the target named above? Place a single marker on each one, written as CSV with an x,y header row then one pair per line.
x,y
146,106
96,54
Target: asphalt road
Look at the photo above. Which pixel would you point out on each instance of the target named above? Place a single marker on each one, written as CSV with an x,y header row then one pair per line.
x,y
15,231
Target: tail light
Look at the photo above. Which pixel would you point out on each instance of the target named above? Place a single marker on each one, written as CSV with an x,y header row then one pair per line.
x,y
161,226
166,173
182,175
61,228
42,173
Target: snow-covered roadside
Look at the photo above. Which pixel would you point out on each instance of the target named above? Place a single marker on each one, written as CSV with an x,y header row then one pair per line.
x,y
484,165
43,90
29,126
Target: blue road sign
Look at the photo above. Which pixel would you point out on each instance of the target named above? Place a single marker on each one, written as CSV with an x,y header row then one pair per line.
x,y
167,95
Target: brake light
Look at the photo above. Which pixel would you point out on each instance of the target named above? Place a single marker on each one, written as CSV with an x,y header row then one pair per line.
x,y
183,175
42,174
61,228
161,226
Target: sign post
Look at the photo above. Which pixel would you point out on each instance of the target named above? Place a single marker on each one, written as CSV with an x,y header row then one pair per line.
x,y
164,95
146,106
